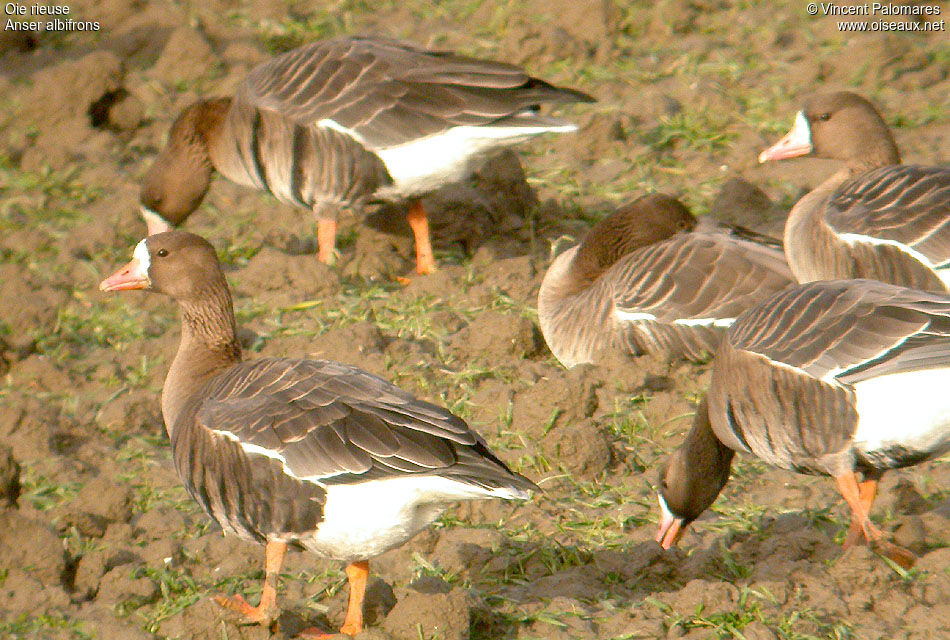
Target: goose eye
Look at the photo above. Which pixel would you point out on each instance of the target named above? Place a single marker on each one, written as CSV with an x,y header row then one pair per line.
x,y
161,253
825,116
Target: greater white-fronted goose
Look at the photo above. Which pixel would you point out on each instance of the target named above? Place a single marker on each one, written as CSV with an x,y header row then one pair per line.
x,y
651,278
342,122
834,377
304,452
874,218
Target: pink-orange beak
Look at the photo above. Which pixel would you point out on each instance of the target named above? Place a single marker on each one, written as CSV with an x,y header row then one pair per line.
x,y
671,527
130,276
796,142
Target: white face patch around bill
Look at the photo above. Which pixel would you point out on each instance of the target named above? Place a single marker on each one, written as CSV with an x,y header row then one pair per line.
x,y
665,513
141,254
154,222
796,142
801,131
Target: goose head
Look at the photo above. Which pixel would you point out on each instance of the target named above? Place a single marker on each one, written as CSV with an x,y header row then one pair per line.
x,y
838,126
178,180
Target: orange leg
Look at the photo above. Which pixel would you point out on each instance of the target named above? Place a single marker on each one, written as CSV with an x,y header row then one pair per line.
x,y
867,491
848,486
425,261
326,240
356,574
266,611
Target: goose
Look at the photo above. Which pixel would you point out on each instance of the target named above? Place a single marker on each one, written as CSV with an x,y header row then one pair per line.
x,y
836,377
873,218
309,453
343,122
651,278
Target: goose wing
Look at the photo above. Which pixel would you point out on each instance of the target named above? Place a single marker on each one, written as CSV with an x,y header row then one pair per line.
x,y
388,93
331,423
902,205
703,277
848,330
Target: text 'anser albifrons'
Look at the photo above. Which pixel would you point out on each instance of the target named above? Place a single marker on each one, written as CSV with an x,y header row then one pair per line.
x,y
874,218
834,377
305,452
651,278
342,122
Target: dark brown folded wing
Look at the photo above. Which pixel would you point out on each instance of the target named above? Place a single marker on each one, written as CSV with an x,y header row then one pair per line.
x,y
848,330
909,205
330,423
389,92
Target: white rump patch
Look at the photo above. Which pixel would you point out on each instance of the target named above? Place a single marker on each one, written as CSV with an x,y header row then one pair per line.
x,y
909,409
426,164
365,519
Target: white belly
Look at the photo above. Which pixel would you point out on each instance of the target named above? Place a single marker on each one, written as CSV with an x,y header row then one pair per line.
x,y
424,165
904,414
366,519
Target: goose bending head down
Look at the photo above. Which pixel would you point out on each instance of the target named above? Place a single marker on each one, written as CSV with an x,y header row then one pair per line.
x,y
343,122
309,453
841,378
651,278
873,218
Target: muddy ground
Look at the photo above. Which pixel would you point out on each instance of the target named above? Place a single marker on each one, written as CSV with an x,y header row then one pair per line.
x,y
98,540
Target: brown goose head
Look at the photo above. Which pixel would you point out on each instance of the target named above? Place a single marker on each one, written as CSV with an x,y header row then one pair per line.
x,y
179,264
645,221
839,126
691,479
179,178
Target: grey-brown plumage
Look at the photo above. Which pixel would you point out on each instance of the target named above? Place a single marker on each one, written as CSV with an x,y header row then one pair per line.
x,y
389,93
874,218
308,452
259,445
650,278
342,122
832,377
817,342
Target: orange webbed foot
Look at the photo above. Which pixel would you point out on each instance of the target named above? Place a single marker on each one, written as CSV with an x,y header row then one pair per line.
x,y
261,614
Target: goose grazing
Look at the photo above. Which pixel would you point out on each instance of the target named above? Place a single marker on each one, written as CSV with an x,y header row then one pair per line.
x,y
343,122
309,453
834,377
874,218
651,278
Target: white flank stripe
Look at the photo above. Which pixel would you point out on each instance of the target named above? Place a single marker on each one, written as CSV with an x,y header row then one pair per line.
x,y
336,126
632,316
705,322
857,238
253,448
910,409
